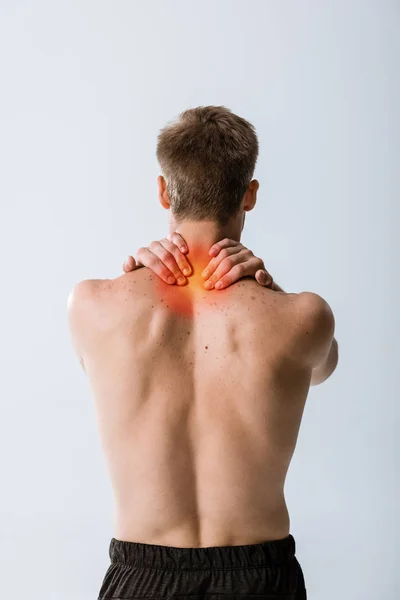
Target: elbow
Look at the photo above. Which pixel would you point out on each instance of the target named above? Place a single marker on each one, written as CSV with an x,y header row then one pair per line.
x,y
322,372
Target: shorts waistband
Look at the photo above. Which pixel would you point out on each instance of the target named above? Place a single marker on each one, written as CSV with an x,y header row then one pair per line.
x,y
224,557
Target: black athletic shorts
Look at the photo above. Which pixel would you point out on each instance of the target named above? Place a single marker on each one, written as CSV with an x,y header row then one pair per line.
x,y
268,570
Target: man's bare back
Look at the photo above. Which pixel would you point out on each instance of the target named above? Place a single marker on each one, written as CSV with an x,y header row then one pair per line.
x,y
199,397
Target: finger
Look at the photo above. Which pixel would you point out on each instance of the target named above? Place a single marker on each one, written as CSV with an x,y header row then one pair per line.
x,y
236,273
129,264
168,259
227,265
152,261
225,243
180,259
178,240
215,262
263,278
243,269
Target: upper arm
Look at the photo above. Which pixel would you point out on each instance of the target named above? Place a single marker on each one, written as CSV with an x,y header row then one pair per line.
x,y
316,327
80,308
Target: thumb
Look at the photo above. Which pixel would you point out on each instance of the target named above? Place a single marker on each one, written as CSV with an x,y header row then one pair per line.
x,y
263,277
129,264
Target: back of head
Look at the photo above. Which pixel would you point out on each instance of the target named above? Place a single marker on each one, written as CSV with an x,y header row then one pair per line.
x,y
207,157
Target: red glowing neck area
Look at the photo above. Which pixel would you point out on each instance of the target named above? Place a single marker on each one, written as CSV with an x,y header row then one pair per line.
x,y
198,257
200,236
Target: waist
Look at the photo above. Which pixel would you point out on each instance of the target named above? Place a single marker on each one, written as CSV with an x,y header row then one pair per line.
x,y
139,554
234,526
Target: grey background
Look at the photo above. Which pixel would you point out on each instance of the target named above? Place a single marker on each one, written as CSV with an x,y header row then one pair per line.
x,y
85,87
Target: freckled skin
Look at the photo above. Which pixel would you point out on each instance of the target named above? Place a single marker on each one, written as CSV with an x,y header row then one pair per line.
x,y
199,404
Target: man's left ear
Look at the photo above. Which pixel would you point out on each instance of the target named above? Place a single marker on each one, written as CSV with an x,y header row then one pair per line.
x,y
250,198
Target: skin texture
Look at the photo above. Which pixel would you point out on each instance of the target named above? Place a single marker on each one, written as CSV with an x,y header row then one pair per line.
x,y
199,393
229,262
199,400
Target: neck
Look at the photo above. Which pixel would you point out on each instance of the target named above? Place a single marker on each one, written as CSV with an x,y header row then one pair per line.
x,y
201,235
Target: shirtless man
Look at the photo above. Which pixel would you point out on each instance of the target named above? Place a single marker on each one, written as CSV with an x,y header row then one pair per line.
x,y
200,391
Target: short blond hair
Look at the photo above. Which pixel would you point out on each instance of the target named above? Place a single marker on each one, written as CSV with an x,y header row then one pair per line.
x,y
208,157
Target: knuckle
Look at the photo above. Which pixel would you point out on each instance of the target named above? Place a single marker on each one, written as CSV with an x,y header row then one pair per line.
x,y
213,279
210,268
236,271
227,263
175,251
152,260
168,247
176,239
170,263
172,245
165,255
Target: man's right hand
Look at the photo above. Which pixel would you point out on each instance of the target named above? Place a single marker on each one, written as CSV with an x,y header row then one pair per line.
x,y
166,258
229,262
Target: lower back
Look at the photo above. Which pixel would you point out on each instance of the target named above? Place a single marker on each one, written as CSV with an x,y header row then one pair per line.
x,y
199,410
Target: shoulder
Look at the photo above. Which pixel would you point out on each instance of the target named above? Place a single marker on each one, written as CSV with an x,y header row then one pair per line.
x,y
85,292
85,315
313,310
313,325
99,299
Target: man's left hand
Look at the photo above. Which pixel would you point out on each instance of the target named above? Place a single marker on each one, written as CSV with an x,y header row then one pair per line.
x,y
231,261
